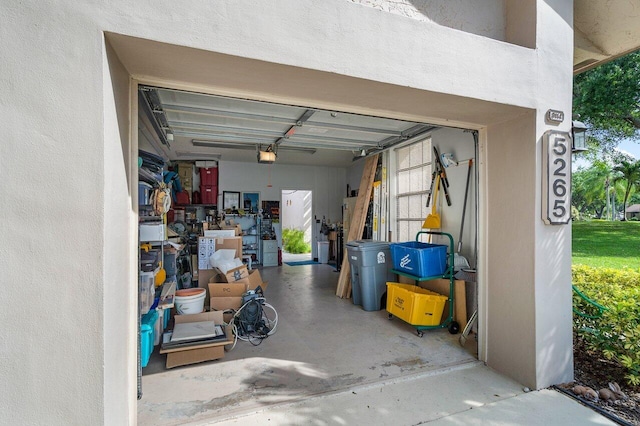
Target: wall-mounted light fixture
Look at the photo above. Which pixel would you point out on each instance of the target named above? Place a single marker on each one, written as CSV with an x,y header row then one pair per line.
x,y
579,135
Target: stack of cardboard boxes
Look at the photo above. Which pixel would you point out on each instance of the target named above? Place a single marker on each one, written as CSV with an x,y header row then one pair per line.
x,y
225,296
185,171
226,289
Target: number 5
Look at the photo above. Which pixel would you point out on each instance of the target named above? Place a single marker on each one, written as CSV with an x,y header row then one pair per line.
x,y
558,206
559,143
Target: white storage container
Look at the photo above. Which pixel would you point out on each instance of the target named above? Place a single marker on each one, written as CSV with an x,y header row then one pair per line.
x,y
146,291
152,232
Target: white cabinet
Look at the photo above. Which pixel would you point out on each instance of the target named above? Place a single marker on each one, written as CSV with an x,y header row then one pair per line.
x,y
269,253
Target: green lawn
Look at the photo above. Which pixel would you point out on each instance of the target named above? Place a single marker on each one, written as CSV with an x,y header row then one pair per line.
x,y
606,244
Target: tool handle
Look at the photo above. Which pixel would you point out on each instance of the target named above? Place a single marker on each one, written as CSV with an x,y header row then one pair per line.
x,y
446,194
435,195
433,178
464,205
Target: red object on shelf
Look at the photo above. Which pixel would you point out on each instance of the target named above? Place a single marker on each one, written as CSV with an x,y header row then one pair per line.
x,y
182,198
170,215
209,194
209,177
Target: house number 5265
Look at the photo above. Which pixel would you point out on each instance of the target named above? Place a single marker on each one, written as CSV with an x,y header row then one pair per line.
x,y
556,178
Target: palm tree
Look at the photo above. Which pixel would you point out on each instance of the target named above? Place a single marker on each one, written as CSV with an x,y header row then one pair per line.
x,y
628,172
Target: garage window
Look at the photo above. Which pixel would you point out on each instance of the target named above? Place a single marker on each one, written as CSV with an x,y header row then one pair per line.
x,y
413,176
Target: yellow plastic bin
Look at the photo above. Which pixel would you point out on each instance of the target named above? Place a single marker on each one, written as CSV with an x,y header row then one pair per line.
x,y
415,305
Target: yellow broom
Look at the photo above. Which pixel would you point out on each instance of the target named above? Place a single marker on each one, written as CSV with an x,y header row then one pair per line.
x,y
433,220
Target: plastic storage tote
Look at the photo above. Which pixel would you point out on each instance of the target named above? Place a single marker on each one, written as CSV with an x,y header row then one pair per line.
x,y
209,176
370,264
147,331
415,305
209,194
419,259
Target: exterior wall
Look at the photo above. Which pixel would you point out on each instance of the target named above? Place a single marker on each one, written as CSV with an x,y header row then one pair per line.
x,y
120,264
535,295
553,294
464,15
511,213
66,188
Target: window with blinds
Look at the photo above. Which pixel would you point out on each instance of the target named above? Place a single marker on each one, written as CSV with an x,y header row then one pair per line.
x,y
413,177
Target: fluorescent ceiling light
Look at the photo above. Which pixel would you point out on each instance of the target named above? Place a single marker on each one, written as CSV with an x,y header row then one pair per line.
x,y
203,155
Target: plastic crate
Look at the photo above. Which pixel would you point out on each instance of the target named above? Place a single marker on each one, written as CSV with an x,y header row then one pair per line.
x,y
147,328
415,305
419,259
209,194
209,176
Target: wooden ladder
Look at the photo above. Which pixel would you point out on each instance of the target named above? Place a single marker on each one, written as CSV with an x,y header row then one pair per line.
x,y
358,220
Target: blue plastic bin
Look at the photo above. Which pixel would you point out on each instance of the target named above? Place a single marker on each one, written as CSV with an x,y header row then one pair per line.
x,y
419,259
147,326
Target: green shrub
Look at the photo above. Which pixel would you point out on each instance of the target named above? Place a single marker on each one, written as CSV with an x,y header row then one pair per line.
x,y
293,241
617,332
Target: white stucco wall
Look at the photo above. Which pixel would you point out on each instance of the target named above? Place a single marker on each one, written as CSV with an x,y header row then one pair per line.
x,y
486,18
326,183
67,214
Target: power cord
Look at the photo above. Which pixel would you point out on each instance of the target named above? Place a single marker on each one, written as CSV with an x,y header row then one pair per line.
x,y
255,325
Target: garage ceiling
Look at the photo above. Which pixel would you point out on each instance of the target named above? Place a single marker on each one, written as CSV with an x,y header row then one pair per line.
x,y
201,126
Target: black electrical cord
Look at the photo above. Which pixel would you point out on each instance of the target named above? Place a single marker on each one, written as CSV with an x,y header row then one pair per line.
x,y
250,323
594,407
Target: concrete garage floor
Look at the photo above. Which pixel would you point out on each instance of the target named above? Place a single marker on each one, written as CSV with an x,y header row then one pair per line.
x,y
331,363
322,344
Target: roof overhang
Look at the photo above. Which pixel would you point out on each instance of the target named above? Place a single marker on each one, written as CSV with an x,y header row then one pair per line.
x,y
604,31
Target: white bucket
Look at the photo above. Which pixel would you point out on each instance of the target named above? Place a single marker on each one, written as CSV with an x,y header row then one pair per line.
x,y
190,301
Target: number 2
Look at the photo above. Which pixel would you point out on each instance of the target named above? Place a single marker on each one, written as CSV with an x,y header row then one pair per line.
x,y
559,170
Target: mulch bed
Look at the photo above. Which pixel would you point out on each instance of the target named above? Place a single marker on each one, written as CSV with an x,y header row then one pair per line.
x,y
594,370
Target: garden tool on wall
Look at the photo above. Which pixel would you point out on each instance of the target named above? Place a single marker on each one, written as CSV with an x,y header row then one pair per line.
x,y
443,176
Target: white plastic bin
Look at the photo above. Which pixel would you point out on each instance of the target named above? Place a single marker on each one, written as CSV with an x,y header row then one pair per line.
x,y
323,251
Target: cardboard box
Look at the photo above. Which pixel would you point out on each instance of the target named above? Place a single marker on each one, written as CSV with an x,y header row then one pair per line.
x,y
206,164
441,286
230,243
219,233
236,228
206,248
225,303
226,296
227,289
235,274
254,280
198,353
208,245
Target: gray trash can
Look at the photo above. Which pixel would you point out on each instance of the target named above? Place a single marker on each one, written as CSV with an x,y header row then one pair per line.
x,y
370,263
